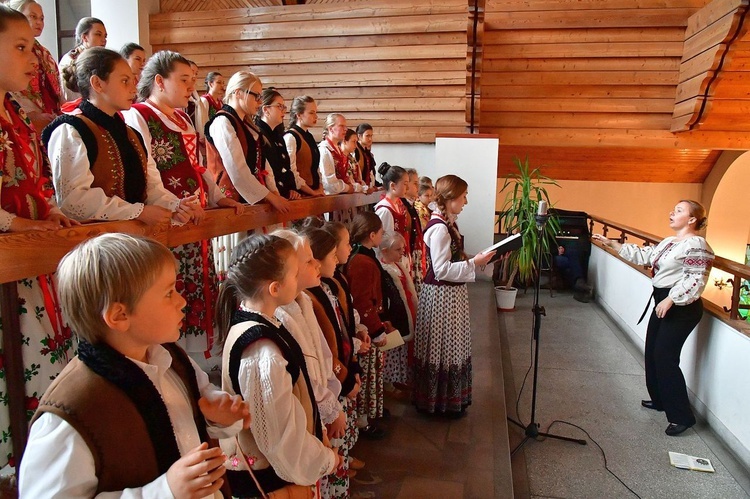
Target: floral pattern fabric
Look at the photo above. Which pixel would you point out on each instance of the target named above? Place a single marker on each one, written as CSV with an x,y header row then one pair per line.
x,y
48,345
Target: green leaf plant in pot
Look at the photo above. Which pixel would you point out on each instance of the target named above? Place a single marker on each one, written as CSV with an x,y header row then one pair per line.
x,y
523,192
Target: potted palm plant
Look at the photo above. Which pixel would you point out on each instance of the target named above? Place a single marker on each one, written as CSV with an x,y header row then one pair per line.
x,y
523,192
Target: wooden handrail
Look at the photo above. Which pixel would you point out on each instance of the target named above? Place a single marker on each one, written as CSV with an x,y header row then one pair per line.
x,y
739,271
27,254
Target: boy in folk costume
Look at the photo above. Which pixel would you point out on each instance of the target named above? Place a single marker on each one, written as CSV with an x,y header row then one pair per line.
x,y
131,414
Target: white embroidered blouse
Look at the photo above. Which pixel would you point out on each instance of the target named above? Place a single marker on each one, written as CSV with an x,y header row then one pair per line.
x,y
682,266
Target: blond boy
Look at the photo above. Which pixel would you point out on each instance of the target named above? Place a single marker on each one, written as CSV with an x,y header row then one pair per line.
x,y
131,414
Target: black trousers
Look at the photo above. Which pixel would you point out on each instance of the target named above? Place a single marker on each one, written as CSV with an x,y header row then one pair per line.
x,y
664,340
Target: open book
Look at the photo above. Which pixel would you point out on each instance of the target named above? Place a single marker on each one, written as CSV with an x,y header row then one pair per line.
x,y
510,243
685,462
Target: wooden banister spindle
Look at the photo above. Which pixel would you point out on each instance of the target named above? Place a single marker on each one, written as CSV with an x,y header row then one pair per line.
x,y
734,311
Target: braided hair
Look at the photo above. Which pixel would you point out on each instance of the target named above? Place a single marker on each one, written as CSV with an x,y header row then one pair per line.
x,y
256,261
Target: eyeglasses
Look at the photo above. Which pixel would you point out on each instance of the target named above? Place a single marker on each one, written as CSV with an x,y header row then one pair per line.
x,y
255,96
281,107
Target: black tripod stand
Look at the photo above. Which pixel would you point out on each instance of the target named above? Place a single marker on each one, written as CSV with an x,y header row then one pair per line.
x,y
532,430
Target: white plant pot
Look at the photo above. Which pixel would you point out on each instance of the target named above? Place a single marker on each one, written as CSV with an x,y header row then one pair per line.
x,y
505,298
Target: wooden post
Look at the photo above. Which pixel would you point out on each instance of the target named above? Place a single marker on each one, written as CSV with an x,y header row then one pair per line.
x,y
14,371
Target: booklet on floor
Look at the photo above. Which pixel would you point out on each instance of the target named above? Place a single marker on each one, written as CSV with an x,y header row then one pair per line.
x,y
685,462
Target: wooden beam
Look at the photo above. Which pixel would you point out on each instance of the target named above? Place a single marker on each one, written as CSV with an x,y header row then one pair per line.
x,y
605,18
612,137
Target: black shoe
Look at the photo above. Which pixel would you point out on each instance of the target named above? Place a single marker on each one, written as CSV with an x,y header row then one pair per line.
x,y
582,285
372,432
675,429
649,404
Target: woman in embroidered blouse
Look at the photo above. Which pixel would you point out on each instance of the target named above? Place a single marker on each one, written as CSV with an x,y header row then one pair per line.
x,y
27,204
172,143
90,32
680,267
41,98
442,340
304,155
118,183
270,122
234,146
334,165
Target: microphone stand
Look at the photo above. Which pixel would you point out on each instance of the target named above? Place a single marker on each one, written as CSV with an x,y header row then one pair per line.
x,y
532,429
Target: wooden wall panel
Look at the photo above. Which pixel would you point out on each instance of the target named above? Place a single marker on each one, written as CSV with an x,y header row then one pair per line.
x,y
402,67
712,93
588,87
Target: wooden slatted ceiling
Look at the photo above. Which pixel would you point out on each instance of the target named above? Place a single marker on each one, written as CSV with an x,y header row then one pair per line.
x,y
713,89
399,66
588,87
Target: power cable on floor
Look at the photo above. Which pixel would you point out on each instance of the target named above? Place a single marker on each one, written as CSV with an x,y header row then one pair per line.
x,y
525,377
604,455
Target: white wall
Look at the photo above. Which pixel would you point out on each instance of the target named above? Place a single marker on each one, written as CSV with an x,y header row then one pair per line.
x,y
714,358
48,38
418,156
126,21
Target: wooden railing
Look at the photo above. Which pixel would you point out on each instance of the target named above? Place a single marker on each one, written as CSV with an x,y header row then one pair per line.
x,y
35,253
738,271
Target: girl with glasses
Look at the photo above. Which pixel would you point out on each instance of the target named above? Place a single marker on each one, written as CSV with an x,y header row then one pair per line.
x,y
270,122
234,146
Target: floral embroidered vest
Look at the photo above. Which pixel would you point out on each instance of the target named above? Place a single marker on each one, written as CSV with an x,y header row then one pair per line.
x,y
402,222
25,186
175,154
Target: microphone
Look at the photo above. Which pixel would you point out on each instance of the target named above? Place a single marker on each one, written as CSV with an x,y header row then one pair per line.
x,y
541,214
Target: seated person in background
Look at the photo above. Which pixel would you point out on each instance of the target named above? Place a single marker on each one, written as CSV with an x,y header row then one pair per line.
x,y
569,261
131,414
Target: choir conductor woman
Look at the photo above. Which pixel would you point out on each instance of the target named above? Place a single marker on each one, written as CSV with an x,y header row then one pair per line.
x,y
680,266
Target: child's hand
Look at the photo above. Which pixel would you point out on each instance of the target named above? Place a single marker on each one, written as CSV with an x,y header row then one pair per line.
x,y
223,409
239,208
338,427
352,395
154,215
193,206
62,220
198,473
366,342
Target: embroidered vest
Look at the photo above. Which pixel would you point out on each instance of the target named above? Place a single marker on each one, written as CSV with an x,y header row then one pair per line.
x,y
274,150
120,415
106,161
175,154
402,222
251,150
253,327
457,246
366,162
25,186
337,337
308,157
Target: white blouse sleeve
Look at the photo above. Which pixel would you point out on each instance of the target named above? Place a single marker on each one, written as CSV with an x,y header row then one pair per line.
x,y
438,239
696,266
386,217
639,255
6,218
291,148
331,184
270,178
58,463
213,193
71,174
229,148
279,422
